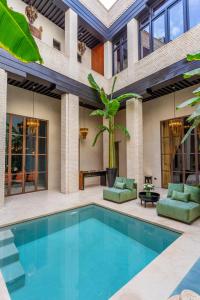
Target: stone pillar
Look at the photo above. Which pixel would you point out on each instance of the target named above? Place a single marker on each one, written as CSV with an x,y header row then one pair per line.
x,y
132,37
134,123
69,143
105,146
3,100
71,34
108,60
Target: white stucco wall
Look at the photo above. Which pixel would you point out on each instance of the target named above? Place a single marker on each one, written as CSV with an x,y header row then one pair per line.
x,y
154,112
119,137
91,158
20,102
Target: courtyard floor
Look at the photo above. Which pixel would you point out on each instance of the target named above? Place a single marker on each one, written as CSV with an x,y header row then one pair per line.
x,y
155,282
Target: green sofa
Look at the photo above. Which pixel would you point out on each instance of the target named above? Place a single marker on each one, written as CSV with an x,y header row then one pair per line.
x,y
182,203
124,189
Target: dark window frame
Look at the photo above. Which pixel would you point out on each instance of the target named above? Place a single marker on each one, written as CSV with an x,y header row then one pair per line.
x,y
148,18
121,40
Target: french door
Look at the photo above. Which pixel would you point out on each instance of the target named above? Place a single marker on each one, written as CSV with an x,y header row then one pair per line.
x,y
180,162
26,161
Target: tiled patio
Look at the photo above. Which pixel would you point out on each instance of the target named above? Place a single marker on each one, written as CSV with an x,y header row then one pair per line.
x,y
158,279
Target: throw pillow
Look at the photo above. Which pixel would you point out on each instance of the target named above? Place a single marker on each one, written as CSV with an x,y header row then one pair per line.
x,y
179,187
120,185
185,197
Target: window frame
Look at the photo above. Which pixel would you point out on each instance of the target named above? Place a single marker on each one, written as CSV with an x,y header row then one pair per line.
x,y
149,17
121,38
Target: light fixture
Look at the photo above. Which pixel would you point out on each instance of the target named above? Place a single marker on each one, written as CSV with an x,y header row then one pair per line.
x,y
83,133
31,13
81,48
33,123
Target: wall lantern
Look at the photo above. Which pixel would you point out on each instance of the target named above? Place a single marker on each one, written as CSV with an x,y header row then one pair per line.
x,y
81,48
31,13
83,133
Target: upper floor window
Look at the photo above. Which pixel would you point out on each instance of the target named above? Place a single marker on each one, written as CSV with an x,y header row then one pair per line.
x,y
120,53
165,21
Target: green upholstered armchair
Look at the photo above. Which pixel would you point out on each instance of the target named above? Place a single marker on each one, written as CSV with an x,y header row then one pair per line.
x,y
124,189
182,203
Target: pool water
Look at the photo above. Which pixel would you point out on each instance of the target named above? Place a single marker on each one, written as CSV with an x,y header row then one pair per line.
x,y
87,253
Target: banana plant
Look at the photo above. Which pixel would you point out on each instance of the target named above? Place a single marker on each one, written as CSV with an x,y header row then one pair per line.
x,y
111,108
15,35
194,118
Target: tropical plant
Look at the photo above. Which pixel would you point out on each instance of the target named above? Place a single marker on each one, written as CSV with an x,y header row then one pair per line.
x,y
111,107
194,118
15,36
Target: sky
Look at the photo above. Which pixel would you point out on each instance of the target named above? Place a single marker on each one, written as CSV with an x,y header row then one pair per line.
x,y
108,3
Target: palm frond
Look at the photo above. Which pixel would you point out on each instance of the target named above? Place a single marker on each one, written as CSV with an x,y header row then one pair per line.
x,y
93,83
123,129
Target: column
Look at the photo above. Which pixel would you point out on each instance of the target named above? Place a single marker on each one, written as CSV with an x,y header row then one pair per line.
x,y
108,60
69,143
71,34
105,145
3,100
134,123
132,37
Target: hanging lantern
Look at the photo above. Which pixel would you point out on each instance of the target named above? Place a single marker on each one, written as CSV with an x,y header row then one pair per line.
x,y
176,126
83,133
32,124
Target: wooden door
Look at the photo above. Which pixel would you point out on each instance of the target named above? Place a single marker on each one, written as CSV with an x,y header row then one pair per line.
x,y
98,59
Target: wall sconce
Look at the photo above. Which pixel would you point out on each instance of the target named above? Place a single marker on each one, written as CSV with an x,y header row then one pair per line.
x,y
81,48
83,133
31,13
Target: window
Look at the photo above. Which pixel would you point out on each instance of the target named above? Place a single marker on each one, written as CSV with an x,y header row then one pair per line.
x,y
194,12
165,21
180,162
56,45
176,20
26,155
120,52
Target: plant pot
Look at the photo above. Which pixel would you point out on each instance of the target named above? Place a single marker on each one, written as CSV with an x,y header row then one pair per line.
x,y
111,175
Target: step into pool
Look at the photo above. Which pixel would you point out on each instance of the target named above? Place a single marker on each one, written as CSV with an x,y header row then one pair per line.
x,y
84,254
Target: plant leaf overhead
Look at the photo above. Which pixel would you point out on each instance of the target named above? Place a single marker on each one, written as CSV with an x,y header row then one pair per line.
x,y
190,102
15,36
195,72
193,56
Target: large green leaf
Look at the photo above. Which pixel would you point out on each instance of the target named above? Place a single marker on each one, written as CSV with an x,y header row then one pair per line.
x,y
123,129
104,97
15,36
98,113
113,86
193,56
98,135
128,96
93,83
113,107
187,134
195,72
197,92
190,102
194,115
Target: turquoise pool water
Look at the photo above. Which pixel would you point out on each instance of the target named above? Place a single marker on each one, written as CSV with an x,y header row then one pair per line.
x,y
84,254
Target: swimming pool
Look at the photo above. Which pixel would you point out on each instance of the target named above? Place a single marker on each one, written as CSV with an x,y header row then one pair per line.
x,y
86,253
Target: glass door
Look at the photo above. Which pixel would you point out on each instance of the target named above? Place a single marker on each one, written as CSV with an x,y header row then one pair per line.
x,y
26,155
180,162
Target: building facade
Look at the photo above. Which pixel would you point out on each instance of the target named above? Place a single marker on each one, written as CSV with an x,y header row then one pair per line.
x,y
44,106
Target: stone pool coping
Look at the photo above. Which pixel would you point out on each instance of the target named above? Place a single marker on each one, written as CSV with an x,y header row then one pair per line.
x,y
157,280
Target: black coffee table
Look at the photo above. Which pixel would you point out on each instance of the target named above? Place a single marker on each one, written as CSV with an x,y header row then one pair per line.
x,y
153,198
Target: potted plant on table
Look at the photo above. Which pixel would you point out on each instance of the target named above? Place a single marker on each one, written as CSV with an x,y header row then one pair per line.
x,y
148,187
111,108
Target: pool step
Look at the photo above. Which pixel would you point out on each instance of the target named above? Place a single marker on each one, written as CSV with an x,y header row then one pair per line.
x,y
8,254
6,237
14,276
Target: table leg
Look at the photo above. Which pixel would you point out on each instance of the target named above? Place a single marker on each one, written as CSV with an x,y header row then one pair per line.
x,y
103,180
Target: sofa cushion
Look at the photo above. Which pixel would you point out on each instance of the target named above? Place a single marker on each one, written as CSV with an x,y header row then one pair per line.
x,y
178,210
194,192
179,187
120,185
118,195
119,179
130,183
185,197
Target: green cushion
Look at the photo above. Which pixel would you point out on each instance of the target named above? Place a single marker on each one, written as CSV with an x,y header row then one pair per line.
x,y
185,197
119,179
130,183
194,192
120,185
178,187
119,196
178,210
